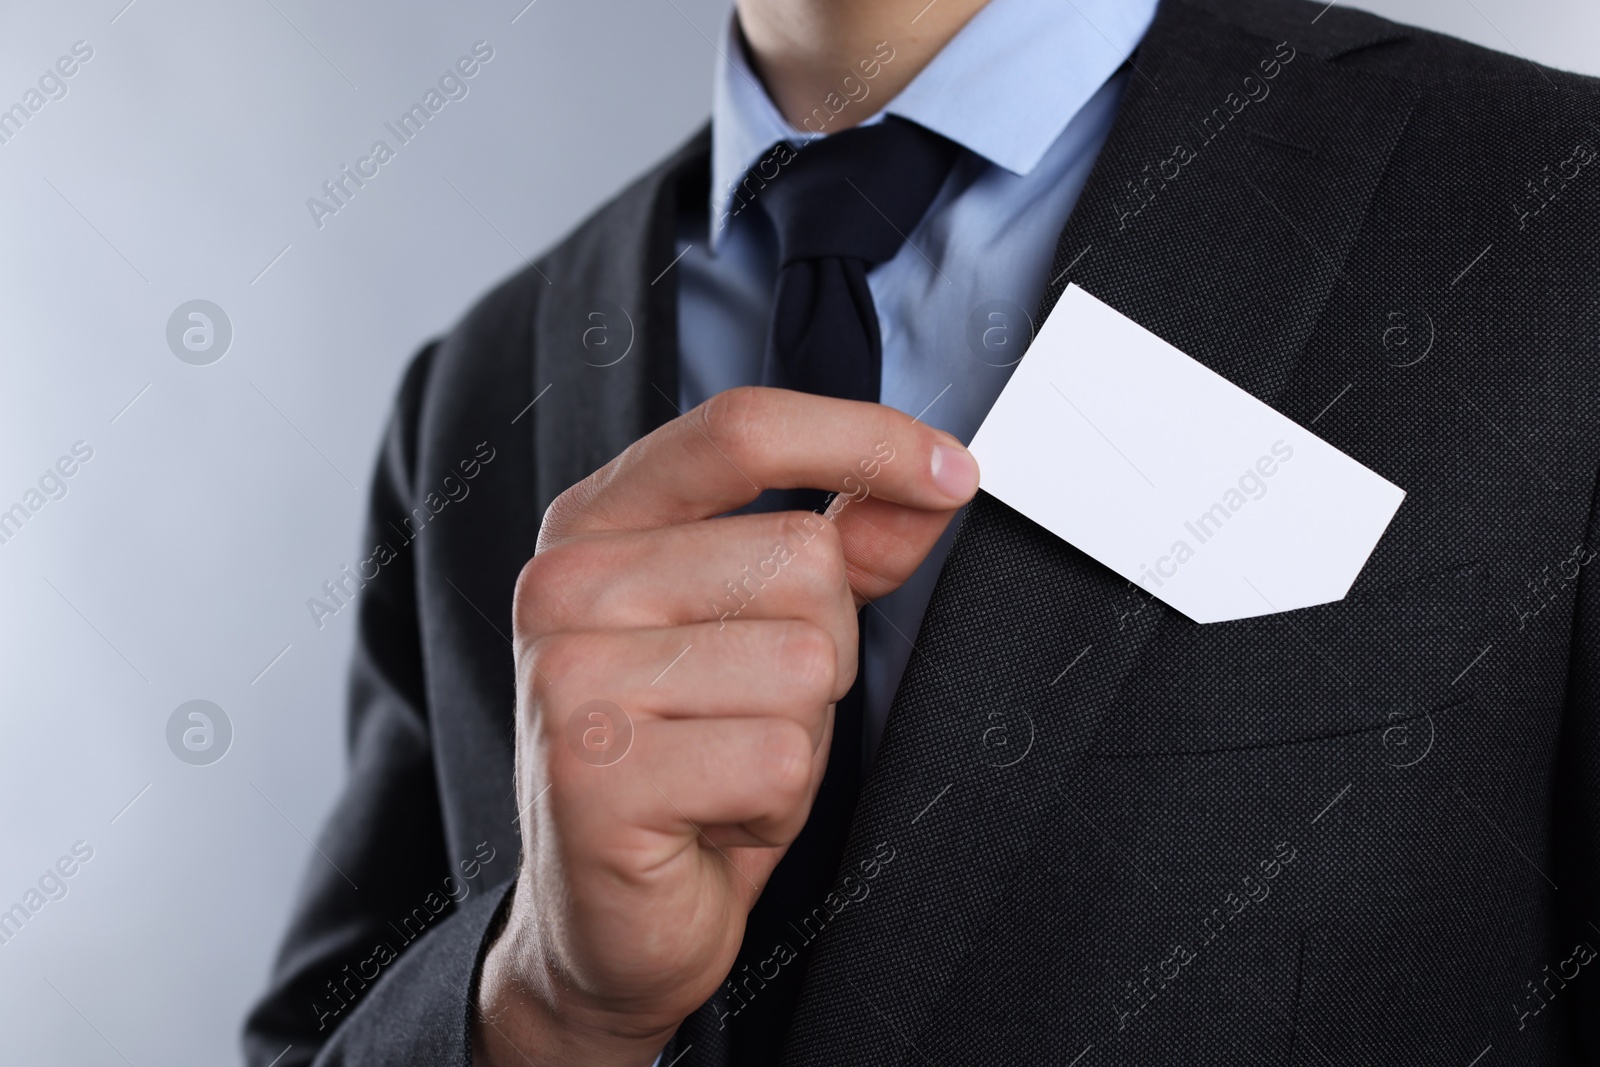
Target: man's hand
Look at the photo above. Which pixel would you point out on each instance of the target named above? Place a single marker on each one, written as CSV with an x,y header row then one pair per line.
x,y
717,646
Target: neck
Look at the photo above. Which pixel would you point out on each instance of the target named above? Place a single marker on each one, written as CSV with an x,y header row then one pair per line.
x,y
822,60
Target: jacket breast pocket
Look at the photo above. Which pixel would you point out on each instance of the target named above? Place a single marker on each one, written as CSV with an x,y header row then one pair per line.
x,y
1368,662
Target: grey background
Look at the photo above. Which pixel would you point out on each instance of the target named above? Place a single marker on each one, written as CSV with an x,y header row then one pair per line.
x,y
178,565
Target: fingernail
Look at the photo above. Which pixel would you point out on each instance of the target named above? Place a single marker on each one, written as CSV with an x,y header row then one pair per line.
x,y
955,472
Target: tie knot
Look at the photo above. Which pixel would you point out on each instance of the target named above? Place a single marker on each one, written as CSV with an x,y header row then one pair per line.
x,y
856,194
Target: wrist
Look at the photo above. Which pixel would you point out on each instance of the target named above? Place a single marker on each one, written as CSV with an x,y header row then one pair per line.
x,y
526,1012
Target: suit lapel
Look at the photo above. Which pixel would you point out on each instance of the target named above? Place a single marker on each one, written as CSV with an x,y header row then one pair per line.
x,y
1220,214
605,339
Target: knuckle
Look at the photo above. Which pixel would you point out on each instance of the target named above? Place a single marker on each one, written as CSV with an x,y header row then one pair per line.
x,y
558,656
811,659
547,588
816,549
822,558
540,576
785,758
530,579
565,510
735,420
807,531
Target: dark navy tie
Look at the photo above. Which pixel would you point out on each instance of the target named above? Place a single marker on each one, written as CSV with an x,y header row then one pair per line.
x,y
841,206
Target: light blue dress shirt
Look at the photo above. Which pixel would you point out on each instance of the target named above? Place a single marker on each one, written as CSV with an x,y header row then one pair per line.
x,y
1029,89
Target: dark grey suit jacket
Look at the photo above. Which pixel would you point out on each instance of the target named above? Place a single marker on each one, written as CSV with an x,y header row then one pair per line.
x,y
1367,832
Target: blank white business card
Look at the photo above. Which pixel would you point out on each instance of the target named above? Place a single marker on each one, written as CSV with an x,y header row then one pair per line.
x,y
1173,476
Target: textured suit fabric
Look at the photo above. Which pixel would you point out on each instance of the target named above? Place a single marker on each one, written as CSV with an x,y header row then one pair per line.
x,y
1366,832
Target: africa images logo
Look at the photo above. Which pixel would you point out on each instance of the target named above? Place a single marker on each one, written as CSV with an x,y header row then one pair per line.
x,y
199,332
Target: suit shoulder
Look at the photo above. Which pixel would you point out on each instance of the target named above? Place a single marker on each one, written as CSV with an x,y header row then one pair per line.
x,y
1439,63
1445,64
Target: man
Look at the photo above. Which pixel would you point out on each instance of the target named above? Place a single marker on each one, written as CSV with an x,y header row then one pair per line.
x,y
705,802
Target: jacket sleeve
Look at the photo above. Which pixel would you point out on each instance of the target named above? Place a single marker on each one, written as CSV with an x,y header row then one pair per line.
x,y
379,961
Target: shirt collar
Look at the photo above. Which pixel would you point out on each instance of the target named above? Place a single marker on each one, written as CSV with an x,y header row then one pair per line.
x,y
1004,87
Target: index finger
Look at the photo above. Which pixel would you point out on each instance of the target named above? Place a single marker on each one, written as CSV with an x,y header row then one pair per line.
x,y
721,455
